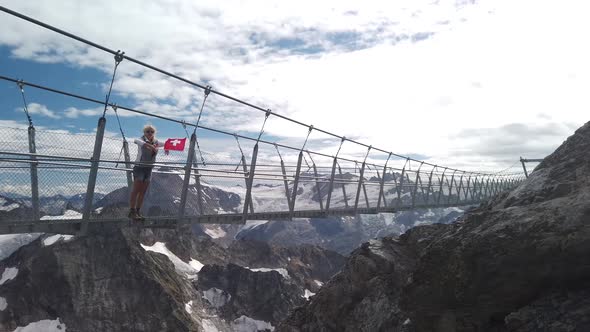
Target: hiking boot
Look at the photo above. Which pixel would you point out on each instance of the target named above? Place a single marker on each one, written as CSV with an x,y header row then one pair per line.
x,y
133,214
139,216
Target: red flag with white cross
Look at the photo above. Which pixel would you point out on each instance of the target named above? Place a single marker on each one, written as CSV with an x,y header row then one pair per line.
x,y
176,144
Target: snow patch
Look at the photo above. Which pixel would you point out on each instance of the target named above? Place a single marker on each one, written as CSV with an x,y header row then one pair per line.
x,y
3,303
282,271
195,264
376,246
189,307
8,274
319,283
98,210
55,238
9,207
208,326
407,321
45,325
12,242
69,214
186,269
249,225
308,294
215,233
217,297
247,324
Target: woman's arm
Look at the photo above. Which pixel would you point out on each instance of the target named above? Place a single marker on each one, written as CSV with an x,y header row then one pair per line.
x,y
139,142
160,145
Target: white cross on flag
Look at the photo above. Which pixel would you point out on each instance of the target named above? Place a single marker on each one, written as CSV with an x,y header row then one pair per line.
x,y
175,144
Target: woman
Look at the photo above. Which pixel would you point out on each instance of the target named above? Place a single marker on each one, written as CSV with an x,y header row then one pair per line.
x,y
147,150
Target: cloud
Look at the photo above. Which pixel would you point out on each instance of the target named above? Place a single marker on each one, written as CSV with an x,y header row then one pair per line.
x,y
39,109
406,76
508,142
73,112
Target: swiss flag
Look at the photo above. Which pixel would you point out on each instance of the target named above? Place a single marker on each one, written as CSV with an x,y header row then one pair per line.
x,y
175,144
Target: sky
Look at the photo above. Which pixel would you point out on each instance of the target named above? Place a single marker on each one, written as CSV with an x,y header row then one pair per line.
x,y
468,84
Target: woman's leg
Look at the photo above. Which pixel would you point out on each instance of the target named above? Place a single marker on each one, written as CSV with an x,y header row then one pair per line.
x,y
135,191
141,194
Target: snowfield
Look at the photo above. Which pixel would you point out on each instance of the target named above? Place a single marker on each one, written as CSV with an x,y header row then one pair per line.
x,y
188,270
8,274
45,325
281,270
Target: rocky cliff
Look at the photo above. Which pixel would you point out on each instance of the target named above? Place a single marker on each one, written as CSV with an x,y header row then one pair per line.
x,y
518,263
161,280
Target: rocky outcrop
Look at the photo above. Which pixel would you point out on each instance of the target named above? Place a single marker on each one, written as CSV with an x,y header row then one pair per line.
x,y
97,283
517,263
148,280
236,291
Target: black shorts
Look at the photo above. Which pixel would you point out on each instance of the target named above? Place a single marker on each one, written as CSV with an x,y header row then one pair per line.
x,y
142,173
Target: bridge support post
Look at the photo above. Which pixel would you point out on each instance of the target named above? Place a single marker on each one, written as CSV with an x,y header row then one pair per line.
x,y
415,191
495,186
128,165
286,182
245,168
429,188
382,185
92,176
295,185
343,187
486,189
360,184
198,185
331,184
460,188
317,184
248,199
440,186
526,174
34,175
451,187
187,177
473,191
401,184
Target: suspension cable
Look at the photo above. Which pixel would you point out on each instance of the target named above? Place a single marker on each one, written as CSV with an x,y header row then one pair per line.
x,y
143,64
306,138
278,152
118,58
69,94
241,151
340,147
184,126
25,108
206,92
114,107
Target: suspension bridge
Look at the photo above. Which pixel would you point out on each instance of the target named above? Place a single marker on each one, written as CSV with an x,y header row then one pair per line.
x,y
257,179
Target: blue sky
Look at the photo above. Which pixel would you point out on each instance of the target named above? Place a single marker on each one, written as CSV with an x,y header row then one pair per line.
x,y
455,82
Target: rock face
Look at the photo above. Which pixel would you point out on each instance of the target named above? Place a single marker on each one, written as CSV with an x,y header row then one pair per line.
x,y
97,283
132,280
237,291
517,263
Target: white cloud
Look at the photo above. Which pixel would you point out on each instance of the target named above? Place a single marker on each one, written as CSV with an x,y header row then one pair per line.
x,y
39,109
73,112
407,76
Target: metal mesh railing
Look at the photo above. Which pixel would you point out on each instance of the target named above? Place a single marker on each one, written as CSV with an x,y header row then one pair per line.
x,y
255,178
219,182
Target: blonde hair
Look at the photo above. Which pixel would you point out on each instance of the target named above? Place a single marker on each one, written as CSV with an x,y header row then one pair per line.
x,y
149,126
